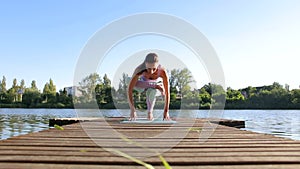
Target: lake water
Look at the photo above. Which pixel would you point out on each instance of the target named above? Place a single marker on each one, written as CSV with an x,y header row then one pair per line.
x,y
283,123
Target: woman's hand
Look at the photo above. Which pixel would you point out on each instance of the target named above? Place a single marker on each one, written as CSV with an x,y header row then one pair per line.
x,y
166,116
133,115
161,88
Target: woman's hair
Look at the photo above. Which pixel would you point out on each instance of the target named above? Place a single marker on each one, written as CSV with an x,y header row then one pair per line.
x,y
150,58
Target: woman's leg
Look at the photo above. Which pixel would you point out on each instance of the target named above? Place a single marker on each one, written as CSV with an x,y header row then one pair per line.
x,y
150,99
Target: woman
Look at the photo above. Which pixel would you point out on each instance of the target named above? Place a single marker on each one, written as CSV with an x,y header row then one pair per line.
x,y
146,77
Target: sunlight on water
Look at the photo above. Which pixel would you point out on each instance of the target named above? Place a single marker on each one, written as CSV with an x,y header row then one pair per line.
x,y
282,123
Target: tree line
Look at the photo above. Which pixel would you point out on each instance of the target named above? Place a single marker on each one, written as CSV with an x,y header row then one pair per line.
x,y
95,88
20,96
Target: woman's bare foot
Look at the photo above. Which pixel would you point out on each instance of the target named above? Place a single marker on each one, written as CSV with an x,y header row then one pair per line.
x,y
150,116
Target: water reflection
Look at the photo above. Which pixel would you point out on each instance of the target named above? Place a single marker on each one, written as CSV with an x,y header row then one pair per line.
x,y
283,123
13,125
14,122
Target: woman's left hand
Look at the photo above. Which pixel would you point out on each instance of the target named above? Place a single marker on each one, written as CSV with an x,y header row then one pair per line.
x,y
166,117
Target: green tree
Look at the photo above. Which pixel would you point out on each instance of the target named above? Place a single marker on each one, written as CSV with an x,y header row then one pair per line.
x,y
63,99
3,91
279,96
217,94
31,97
3,84
271,96
107,90
15,83
181,80
204,98
52,87
234,98
123,85
33,85
46,92
191,99
22,84
49,92
88,86
295,98
248,92
233,95
20,90
12,92
99,93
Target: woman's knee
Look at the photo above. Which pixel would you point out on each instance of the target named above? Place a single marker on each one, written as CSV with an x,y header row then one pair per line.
x,y
151,93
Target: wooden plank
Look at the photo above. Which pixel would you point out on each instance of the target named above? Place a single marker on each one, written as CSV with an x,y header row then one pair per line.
x,y
190,154
112,160
227,147
163,141
80,166
174,150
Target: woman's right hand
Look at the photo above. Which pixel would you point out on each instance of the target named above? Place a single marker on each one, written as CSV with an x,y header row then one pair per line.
x,y
161,89
133,115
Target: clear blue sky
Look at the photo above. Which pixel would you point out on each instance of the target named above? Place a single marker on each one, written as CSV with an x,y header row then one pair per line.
x,y
257,41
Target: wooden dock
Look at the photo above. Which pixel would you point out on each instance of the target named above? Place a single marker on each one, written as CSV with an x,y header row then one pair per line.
x,y
226,147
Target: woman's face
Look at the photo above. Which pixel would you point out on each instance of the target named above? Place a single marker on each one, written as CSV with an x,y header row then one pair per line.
x,y
151,67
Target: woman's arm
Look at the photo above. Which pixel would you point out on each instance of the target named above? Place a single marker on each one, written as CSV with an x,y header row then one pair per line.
x,y
167,94
131,85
